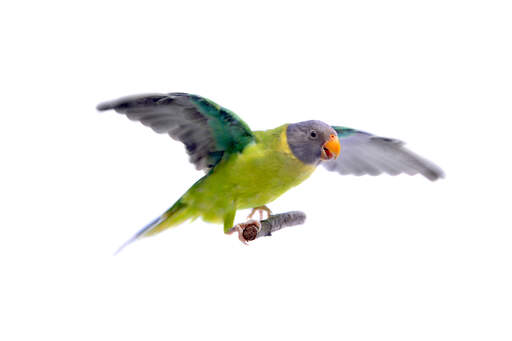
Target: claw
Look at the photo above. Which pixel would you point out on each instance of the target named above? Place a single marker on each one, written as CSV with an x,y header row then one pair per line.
x,y
260,210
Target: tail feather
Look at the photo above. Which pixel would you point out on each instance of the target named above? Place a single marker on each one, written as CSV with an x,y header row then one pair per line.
x,y
172,217
140,233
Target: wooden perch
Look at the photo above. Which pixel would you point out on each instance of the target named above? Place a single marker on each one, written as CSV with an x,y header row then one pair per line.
x,y
272,224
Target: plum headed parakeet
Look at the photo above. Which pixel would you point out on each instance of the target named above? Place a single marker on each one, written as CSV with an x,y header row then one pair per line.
x,y
249,169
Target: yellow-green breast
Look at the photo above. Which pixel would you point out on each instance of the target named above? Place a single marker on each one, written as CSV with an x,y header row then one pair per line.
x,y
260,174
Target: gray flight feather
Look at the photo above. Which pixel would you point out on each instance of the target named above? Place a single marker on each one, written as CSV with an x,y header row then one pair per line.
x,y
363,153
207,130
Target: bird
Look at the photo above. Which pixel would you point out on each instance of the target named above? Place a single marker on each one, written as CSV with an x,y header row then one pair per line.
x,y
247,169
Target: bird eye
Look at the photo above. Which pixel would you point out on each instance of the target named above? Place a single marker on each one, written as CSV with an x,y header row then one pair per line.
x,y
313,134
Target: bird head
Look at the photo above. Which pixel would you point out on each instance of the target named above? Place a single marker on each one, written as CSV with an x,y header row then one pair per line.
x,y
313,141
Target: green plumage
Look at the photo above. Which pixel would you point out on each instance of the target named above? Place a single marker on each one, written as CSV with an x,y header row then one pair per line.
x,y
344,131
230,132
263,171
245,169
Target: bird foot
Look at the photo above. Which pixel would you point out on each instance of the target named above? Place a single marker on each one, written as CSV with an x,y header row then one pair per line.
x,y
260,210
246,231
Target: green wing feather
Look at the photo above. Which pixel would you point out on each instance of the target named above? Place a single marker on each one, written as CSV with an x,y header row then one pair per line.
x,y
345,131
230,132
208,130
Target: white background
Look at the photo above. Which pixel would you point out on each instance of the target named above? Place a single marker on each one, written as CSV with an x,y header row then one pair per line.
x,y
379,258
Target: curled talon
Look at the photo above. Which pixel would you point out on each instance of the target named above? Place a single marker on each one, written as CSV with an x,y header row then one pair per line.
x,y
260,210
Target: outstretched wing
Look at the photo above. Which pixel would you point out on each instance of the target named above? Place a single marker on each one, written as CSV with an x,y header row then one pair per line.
x,y
208,130
363,153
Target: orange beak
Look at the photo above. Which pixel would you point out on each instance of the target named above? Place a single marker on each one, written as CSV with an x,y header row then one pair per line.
x,y
331,149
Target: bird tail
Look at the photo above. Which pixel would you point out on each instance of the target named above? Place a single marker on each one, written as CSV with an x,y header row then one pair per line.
x,y
175,215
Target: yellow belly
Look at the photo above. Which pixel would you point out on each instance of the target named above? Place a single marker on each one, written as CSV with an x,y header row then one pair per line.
x,y
255,177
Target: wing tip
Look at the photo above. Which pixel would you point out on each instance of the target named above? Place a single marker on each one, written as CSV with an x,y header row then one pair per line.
x,y
104,106
130,101
433,174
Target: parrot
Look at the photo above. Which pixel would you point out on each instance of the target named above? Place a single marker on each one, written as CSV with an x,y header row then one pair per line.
x,y
247,169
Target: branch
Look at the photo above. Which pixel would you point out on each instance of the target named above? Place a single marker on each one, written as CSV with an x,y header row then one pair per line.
x,y
273,223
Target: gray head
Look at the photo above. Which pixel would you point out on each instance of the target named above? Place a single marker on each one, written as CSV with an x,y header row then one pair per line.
x,y
312,141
